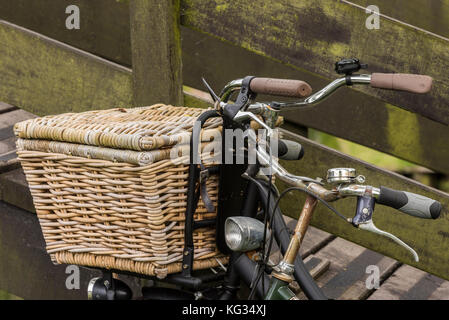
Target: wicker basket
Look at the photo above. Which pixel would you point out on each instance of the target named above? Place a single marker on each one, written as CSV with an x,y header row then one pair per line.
x,y
107,193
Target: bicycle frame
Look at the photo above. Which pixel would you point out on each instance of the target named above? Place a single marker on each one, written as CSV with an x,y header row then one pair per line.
x,y
243,268
282,278
243,111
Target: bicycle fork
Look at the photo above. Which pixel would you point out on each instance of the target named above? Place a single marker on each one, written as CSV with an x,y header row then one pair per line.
x,y
281,278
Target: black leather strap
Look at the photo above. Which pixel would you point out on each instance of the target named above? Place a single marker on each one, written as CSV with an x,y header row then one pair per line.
x,y
204,174
193,194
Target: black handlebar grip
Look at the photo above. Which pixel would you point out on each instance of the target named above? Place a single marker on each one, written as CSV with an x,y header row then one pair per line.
x,y
410,203
289,150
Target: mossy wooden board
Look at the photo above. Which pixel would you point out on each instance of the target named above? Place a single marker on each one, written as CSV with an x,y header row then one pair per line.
x,y
313,34
430,238
351,114
45,76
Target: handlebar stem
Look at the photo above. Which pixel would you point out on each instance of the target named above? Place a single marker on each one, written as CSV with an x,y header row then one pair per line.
x,y
358,190
327,91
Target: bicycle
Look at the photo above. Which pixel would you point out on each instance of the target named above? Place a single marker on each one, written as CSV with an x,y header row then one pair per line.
x,y
244,221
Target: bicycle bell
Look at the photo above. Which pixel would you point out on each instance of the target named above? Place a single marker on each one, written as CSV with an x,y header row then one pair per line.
x,y
339,176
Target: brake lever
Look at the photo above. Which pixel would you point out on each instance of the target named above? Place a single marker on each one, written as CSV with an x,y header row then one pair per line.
x,y
363,220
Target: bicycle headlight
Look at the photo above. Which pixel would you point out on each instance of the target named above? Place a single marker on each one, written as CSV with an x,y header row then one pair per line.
x,y
244,233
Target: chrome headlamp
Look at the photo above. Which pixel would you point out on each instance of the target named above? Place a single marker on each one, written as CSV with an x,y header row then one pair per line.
x,y
244,233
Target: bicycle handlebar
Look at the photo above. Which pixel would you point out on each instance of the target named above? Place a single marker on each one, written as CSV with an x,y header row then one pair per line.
x,y
243,111
403,82
406,202
296,88
410,203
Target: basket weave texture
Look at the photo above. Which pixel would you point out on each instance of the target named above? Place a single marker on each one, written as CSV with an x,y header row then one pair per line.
x,y
107,193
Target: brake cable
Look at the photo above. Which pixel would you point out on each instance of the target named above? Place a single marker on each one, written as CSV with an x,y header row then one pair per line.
x,y
265,255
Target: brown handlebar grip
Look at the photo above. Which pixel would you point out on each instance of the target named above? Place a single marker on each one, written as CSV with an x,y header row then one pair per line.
x,y
399,81
280,87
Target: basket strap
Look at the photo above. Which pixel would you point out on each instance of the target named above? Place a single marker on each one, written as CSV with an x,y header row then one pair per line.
x,y
193,193
204,174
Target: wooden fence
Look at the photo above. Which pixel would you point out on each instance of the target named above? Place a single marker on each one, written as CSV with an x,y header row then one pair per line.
x,y
147,51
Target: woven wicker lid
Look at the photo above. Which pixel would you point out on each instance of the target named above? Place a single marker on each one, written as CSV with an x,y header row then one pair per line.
x,y
144,128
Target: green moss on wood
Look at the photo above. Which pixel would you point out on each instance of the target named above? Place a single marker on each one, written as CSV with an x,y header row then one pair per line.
x,y
313,34
156,51
45,77
403,133
429,237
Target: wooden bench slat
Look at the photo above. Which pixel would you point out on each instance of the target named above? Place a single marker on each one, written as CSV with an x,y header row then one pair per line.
x,y
346,276
429,15
417,233
7,121
4,107
391,131
409,283
315,34
22,254
7,138
7,146
14,190
56,78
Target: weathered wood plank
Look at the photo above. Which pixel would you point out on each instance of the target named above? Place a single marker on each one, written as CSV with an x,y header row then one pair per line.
x,y
4,107
197,98
26,269
8,118
313,241
380,126
346,276
104,24
112,32
314,34
22,255
349,114
430,15
7,139
7,145
428,237
9,162
156,52
45,76
7,121
14,190
408,283
207,56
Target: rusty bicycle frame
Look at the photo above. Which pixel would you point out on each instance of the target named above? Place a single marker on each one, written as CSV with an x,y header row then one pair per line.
x,y
281,279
